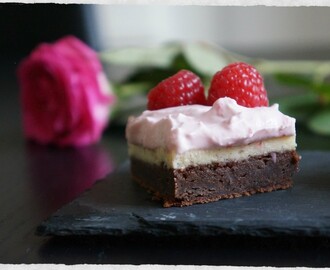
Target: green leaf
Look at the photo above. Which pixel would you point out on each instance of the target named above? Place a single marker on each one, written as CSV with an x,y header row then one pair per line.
x,y
207,59
299,106
180,62
161,56
323,89
203,58
294,79
127,90
320,122
151,75
308,82
134,105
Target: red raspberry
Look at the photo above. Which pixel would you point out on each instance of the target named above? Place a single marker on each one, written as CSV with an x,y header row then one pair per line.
x,y
183,88
239,81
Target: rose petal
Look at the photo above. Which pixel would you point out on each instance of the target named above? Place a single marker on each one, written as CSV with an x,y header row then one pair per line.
x,y
65,96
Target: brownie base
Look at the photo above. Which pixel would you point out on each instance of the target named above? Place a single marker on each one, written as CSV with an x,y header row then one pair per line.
x,y
212,182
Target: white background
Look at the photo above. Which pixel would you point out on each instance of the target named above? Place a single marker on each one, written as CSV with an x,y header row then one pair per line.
x,y
274,32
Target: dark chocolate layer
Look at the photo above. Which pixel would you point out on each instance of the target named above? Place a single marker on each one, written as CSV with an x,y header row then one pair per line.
x,y
212,182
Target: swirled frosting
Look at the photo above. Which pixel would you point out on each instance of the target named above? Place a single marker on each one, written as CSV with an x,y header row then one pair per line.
x,y
193,127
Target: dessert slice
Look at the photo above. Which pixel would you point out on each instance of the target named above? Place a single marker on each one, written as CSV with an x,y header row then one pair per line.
x,y
198,154
186,153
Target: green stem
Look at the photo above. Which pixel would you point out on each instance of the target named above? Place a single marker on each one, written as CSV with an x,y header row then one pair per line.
x,y
293,66
318,71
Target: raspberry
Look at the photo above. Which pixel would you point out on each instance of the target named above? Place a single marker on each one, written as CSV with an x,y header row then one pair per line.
x,y
239,81
183,88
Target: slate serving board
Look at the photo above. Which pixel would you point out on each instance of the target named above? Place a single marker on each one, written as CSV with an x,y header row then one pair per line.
x,y
117,206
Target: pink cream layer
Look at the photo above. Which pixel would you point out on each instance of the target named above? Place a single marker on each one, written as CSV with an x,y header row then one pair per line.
x,y
192,127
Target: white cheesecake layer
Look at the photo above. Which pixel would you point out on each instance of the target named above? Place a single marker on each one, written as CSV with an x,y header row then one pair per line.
x,y
176,160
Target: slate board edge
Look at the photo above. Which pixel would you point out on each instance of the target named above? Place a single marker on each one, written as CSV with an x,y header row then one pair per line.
x,y
47,227
168,228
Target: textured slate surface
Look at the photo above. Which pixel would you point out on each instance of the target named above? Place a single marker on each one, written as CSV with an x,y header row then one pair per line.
x,y
119,207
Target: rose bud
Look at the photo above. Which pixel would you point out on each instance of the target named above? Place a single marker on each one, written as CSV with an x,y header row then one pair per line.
x,y
65,96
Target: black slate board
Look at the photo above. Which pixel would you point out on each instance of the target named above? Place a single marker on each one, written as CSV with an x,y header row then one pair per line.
x,y
117,206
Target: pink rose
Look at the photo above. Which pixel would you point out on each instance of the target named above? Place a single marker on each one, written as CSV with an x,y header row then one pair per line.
x,y
65,97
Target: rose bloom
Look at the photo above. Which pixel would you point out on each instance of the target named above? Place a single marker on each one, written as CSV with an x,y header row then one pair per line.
x,y
65,96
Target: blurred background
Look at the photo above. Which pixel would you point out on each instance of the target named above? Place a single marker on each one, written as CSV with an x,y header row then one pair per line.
x,y
289,33
261,32
272,32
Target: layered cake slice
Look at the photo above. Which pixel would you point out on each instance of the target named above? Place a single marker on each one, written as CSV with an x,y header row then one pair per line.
x,y
198,154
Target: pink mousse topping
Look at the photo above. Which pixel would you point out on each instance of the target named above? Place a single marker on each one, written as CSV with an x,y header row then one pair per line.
x,y
191,127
